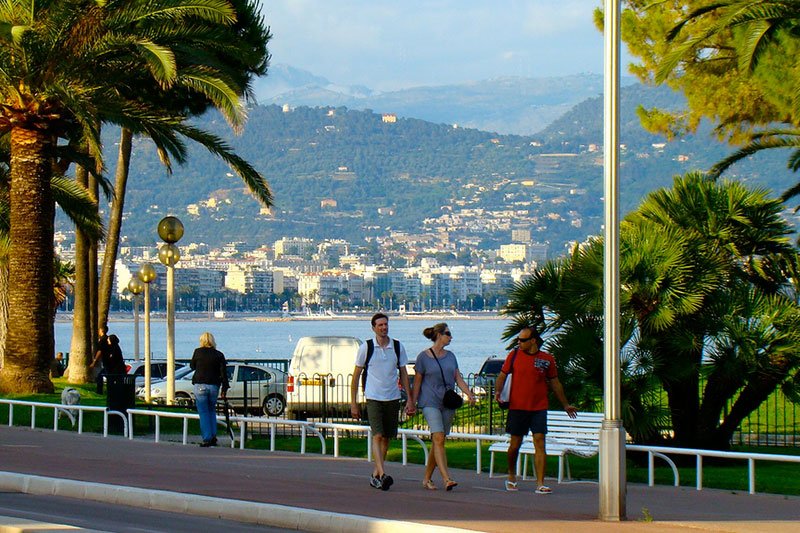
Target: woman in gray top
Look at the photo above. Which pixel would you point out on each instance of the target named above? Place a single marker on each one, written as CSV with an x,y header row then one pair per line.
x,y
435,371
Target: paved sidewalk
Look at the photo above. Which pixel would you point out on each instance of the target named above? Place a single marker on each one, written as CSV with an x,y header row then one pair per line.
x,y
313,492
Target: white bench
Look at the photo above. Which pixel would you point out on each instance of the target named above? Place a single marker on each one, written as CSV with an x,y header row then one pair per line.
x,y
565,435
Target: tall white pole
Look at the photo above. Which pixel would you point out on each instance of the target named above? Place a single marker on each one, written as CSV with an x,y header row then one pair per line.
x,y
147,372
170,229
170,335
147,274
613,486
136,328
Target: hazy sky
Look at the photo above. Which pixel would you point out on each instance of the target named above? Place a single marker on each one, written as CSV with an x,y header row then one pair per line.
x,y
387,44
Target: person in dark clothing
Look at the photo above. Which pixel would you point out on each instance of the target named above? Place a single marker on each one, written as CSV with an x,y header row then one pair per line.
x,y
57,366
210,381
101,356
114,362
110,354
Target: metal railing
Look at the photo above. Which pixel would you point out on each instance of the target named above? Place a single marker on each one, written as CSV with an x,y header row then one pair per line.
x,y
662,452
67,410
318,428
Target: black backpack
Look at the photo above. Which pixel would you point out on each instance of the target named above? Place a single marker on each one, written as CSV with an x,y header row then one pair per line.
x,y
370,351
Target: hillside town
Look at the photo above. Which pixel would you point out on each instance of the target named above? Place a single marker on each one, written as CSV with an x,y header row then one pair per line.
x,y
301,274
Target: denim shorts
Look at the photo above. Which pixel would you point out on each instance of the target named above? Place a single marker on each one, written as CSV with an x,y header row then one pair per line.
x,y
519,422
439,420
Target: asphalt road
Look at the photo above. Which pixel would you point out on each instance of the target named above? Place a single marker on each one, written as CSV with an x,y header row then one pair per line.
x,y
116,519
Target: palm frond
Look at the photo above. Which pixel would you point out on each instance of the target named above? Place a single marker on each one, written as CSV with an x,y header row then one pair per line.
x,y
252,178
78,205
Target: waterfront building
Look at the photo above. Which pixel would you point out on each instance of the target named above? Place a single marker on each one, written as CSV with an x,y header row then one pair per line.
x,y
248,279
203,280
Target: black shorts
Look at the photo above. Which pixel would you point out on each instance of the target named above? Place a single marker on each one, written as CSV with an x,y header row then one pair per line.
x,y
519,422
383,417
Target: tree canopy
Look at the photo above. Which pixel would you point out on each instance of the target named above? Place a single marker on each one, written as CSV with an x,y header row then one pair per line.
x,y
708,311
735,61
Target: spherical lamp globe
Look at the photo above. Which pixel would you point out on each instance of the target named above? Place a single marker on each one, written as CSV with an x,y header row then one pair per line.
x,y
135,285
170,229
169,254
146,273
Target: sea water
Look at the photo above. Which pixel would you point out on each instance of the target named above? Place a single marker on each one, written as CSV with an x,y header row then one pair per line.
x,y
473,339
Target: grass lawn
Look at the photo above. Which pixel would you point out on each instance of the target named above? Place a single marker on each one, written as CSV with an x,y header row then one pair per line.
x,y
771,477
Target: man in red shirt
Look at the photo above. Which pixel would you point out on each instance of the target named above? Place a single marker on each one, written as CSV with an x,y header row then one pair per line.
x,y
533,371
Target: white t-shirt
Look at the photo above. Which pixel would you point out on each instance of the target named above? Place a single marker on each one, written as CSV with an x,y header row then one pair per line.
x,y
382,373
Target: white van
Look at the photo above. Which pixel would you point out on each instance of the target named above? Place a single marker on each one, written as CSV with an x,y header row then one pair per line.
x,y
319,377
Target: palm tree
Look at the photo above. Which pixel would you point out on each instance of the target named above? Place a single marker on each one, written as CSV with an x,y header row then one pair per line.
x,y
76,204
757,22
215,69
61,67
704,270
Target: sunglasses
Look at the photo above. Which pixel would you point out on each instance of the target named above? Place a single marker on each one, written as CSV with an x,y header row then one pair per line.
x,y
447,333
525,339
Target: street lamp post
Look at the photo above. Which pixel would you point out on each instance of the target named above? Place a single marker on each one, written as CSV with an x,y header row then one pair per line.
x,y
146,274
136,287
170,229
613,488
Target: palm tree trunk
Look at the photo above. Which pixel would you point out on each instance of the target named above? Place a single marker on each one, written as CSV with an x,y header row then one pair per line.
x,y
114,226
29,345
92,264
757,390
3,303
80,351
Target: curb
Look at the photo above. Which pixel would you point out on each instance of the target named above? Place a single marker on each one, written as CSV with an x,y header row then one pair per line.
x,y
266,514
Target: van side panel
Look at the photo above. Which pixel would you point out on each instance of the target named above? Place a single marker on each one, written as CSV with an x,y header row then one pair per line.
x,y
321,368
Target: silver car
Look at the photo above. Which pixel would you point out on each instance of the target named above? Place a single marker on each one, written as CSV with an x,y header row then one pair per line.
x,y
158,371
266,389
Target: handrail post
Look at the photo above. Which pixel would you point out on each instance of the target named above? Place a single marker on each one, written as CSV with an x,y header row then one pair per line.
x,y
336,442
699,472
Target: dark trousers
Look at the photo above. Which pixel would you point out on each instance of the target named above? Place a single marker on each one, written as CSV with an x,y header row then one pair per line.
x,y
99,381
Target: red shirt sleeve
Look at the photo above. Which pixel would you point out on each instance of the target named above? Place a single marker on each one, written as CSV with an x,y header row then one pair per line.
x,y
552,371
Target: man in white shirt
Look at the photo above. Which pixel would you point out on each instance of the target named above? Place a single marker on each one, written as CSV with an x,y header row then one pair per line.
x,y
383,361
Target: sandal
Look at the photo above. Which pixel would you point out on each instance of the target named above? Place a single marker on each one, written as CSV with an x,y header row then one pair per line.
x,y
544,490
511,486
450,485
430,485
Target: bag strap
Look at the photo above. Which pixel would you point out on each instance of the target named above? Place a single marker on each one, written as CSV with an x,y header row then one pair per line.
x,y
370,352
513,357
440,369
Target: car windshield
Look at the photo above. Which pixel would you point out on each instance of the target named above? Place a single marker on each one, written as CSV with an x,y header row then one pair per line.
x,y
185,372
491,367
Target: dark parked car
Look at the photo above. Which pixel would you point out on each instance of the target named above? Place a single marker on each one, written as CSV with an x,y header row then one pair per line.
x,y
487,375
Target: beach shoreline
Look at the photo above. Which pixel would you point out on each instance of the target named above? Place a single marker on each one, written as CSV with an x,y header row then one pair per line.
x,y
261,317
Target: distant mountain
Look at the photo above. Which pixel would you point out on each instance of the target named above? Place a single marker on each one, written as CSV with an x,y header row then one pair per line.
x,y
283,79
509,105
343,173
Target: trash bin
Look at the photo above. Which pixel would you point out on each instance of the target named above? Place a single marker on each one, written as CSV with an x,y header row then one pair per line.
x,y
121,395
